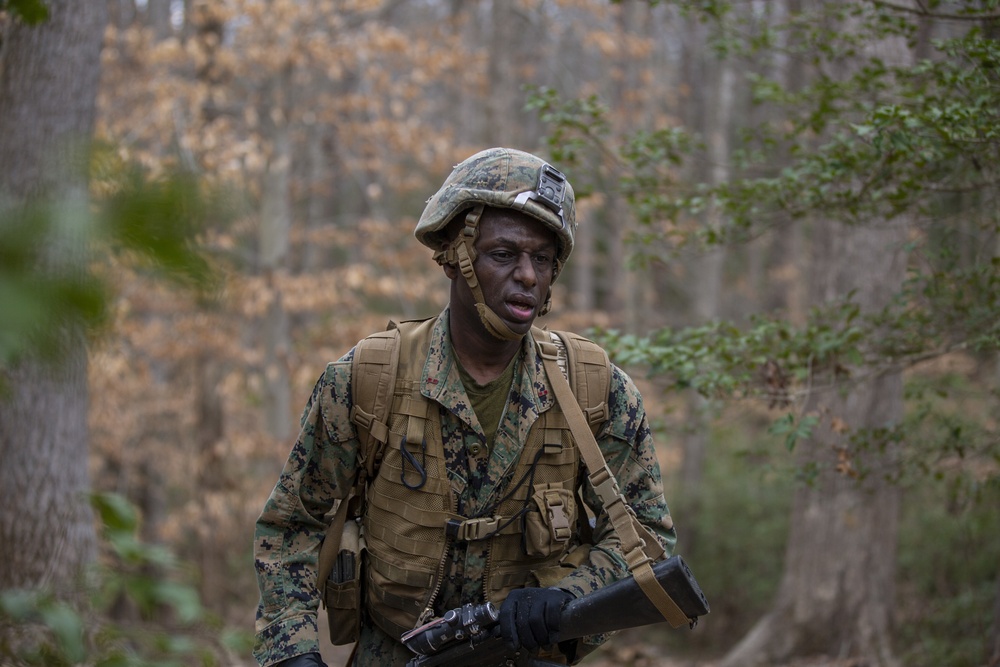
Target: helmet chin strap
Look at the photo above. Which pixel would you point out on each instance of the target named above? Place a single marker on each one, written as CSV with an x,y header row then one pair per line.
x,y
462,251
494,324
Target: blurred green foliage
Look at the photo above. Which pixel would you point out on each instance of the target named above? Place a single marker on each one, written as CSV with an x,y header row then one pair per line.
x,y
948,572
31,12
749,504
948,551
164,623
863,140
36,300
153,222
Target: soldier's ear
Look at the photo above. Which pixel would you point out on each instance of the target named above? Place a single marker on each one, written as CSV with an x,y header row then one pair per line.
x,y
444,243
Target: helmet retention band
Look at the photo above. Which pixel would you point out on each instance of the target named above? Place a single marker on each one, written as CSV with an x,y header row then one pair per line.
x,y
465,254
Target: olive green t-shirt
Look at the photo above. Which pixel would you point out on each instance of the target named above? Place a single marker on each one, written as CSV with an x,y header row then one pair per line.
x,y
489,400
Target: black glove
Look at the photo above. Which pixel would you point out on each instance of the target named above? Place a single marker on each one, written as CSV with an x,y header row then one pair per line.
x,y
529,617
304,660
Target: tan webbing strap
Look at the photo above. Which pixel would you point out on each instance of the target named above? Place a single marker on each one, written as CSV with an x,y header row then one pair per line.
x,y
373,374
590,376
331,547
639,553
414,407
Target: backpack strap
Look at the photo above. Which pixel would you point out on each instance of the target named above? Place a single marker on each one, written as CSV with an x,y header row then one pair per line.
x,y
586,365
330,547
373,376
639,552
590,380
373,379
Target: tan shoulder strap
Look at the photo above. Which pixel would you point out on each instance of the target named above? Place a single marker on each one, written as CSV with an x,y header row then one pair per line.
x,y
639,553
373,375
331,546
373,378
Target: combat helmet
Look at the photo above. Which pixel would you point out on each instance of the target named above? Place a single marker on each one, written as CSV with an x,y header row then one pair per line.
x,y
502,178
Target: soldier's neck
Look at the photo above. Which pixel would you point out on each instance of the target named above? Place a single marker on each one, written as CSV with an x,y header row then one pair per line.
x,y
482,355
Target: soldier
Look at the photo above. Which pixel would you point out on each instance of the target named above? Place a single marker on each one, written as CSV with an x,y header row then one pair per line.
x,y
480,492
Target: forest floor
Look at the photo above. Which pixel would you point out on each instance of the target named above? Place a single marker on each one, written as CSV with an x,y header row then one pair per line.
x,y
632,651
649,655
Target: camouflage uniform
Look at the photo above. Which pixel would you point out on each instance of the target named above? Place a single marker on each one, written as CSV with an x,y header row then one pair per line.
x,y
320,469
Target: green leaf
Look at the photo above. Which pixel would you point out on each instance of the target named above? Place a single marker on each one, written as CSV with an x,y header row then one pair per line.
x,y
31,12
792,429
116,512
19,605
183,599
67,627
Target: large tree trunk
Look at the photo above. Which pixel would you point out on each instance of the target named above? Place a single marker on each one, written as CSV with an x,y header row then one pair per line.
x,y
708,274
837,592
158,18
48,85
628,284
784,289
994,643
216,527
836,595
505,100
275,227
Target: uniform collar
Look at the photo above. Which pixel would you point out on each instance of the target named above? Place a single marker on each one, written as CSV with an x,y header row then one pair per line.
x,y
440,373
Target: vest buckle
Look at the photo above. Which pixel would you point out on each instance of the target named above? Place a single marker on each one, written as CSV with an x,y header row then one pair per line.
x,y
472,529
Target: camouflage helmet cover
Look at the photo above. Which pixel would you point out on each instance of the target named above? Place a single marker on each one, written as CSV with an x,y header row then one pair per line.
x,y
505,178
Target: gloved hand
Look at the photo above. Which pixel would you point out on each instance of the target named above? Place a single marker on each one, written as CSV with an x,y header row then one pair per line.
x,y
529,617
304,660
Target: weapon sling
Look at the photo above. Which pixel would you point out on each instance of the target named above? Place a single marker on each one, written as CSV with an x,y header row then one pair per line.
x,y
639,553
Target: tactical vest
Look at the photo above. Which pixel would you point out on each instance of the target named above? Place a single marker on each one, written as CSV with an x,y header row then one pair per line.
x,y
409,522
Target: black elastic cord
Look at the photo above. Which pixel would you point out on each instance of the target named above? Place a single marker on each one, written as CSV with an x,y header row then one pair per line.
x,y
529,475
420,468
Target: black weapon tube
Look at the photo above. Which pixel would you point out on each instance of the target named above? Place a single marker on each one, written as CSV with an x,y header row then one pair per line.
x,y
623,604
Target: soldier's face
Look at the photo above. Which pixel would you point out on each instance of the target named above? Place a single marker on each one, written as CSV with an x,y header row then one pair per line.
x,y
515,260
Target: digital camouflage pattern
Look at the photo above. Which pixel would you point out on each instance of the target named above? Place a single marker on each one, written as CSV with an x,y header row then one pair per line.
x,y
495,177
320,470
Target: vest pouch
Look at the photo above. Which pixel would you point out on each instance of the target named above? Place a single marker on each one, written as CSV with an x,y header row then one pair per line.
x,y
549,523
342,591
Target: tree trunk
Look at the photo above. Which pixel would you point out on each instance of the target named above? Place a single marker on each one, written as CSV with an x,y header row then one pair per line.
x,y
158,18
708,273
313,256
275,227
584,297
505,99
215,528
48,85
627,283
994,660
786,285
837,592
122,13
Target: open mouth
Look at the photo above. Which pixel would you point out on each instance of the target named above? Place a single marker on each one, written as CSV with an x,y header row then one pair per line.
x,y
521,308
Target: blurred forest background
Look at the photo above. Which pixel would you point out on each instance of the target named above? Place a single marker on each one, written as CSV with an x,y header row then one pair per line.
x,y
788,235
